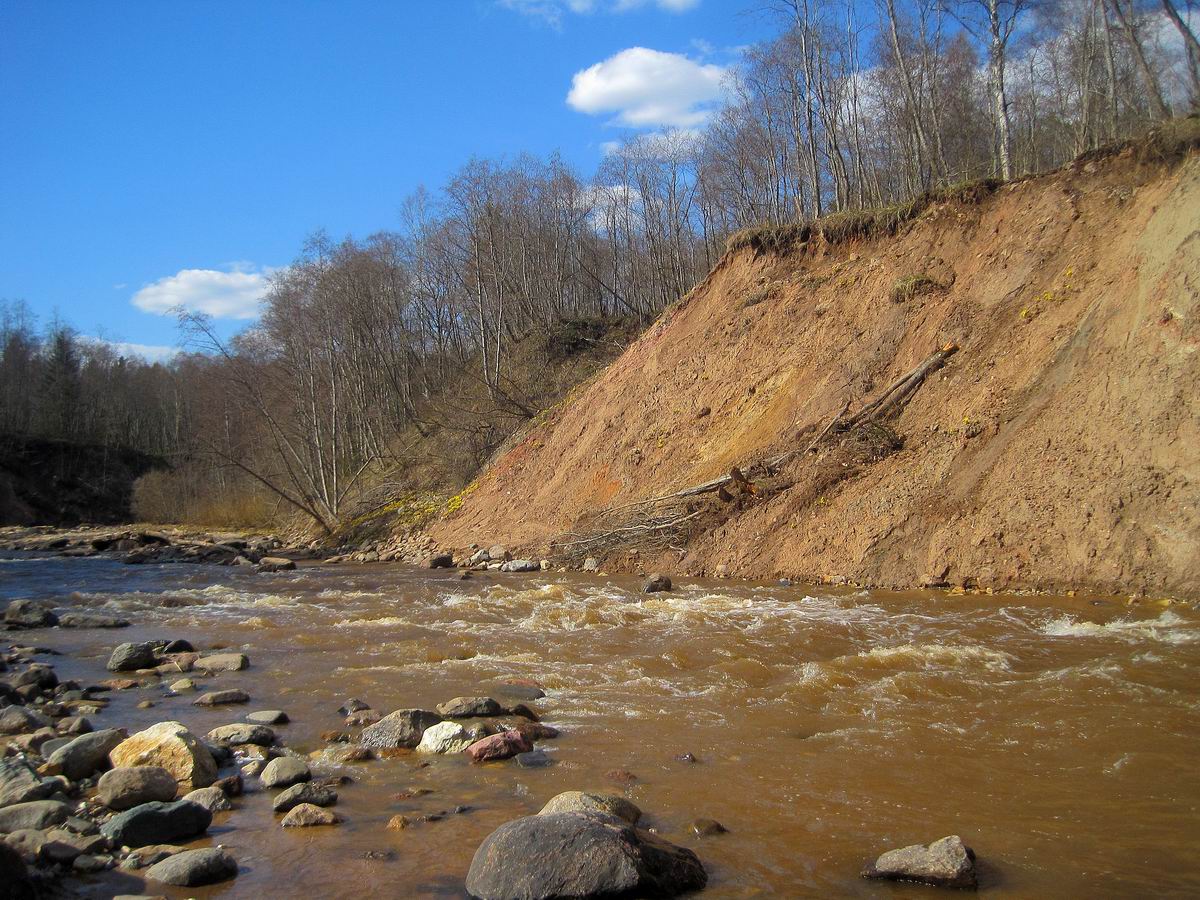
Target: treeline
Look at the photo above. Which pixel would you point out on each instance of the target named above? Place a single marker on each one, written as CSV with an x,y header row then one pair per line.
x,y
371,352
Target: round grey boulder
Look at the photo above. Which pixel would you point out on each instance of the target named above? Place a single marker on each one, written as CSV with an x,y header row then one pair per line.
x,y
127,787
211,798
316,794
285,771
130,657
193,868
574,854
402,728
607,804
86,754
243,733
34,814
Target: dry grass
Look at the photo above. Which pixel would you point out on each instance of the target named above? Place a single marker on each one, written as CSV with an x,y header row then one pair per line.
x,y
911,286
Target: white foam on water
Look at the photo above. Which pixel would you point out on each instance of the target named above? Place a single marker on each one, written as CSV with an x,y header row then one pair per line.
x,y
1168,628
381,622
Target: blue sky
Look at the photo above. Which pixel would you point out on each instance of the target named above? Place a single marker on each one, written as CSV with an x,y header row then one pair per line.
x,y
171,150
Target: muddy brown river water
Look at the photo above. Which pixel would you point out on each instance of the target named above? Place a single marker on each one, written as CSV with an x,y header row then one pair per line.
x,y
1059,737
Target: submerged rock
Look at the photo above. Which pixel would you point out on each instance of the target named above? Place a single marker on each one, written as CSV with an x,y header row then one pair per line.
x,y
221,698
402,728
90,620
574,854
656,583
127,787
275,564
607,804
944,863
193,868
174,748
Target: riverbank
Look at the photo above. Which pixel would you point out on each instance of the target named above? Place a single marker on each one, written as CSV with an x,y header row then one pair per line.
x,y
818,727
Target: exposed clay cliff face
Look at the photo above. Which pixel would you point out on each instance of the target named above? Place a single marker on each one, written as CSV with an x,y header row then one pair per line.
x,y
1059,449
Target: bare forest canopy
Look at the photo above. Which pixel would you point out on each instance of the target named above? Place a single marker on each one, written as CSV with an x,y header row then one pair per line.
x,y
440,339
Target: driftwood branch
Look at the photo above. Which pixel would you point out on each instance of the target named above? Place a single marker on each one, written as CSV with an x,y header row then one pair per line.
x,y
896,394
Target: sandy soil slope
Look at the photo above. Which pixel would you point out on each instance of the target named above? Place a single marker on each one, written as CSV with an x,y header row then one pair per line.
x,y
1058,449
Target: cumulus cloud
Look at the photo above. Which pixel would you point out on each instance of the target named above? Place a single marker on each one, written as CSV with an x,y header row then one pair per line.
x,y
235,294
148,352
554,11
649,89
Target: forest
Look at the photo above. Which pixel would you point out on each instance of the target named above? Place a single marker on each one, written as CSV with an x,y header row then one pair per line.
x,y
441,337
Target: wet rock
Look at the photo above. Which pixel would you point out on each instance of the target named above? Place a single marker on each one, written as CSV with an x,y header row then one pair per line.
x,y
49,745
707,827
141,857
620,776
521,565
284,772
221,698
74,725
243,733
607,804
573,854
446,737
535,731
174,748
183,684
157,823
223,662
524,712
118,684
268,717
145,704
305,815
254,768
944,863
362,718
130,657
28,842
499,746
441,561
469,707
127,787
352,705
177,645
29,614
22,719
211,798
39,675
534,759
193,868
90,620
402,728
307,792
34,814
20,782
520,691
656,583
689,758
275,564
90,864
86,754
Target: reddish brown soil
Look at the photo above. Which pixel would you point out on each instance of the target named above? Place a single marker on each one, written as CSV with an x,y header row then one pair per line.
x,y
1059,449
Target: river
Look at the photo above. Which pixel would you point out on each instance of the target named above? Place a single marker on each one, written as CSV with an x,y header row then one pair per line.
x,y
1058,736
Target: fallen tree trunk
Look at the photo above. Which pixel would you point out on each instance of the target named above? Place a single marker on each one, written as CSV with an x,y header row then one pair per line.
x,y
897,393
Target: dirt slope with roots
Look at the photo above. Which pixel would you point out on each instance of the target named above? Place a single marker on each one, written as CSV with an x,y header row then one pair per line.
x,y
1058,449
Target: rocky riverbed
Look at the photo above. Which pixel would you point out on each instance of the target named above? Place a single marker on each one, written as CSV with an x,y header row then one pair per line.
x,y
402,730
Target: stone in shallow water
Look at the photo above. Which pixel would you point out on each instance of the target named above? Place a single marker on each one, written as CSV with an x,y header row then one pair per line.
x,y
129,657
575,854
193,868
402,728
86,754
174,748
445,737
157,823
499,746
131,786
944,863
284,772
469,707
305,815
268,717
211,798
534,759
219,698
307,792
243,733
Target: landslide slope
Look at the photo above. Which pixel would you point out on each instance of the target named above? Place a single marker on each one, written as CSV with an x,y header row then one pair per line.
x,y
1058,449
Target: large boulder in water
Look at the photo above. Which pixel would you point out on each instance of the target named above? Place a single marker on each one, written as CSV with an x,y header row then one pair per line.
x,y
944,863
575,854
174,748
29,614
157,823
130,657
402,728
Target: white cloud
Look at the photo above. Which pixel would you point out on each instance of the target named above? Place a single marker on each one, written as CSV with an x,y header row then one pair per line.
x,y
554,11
236,294
649,89
148,352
